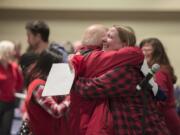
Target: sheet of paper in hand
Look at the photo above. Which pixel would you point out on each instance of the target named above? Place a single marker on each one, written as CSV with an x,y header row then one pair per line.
x,y
59,81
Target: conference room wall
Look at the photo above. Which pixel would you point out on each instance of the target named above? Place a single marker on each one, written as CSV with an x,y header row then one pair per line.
x,y
68,20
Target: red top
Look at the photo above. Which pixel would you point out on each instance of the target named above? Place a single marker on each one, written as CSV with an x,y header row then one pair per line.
x,y
163,78
11,80
42,123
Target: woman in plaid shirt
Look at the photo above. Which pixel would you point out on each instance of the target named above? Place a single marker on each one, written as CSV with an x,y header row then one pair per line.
x,y
130,114
46,114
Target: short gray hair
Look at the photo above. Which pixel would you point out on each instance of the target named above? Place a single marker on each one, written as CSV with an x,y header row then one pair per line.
x,y
93,35
6,48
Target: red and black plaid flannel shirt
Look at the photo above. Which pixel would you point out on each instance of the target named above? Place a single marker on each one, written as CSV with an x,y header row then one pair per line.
x,y
49,104
126,103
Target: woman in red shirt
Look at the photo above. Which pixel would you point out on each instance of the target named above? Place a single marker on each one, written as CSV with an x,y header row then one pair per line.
x,y
45,113
155,53
11,80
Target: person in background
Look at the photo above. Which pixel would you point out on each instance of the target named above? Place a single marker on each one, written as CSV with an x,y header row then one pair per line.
x,y
68,47
76,46
154,52
46,115
59,47
37,36
11,81
17,51
177,97
26,62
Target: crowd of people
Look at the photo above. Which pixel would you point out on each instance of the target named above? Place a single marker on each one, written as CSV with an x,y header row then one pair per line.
x,y
103,99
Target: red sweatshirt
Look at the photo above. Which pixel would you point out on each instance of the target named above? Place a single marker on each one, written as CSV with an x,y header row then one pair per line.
x,y
11,80
41,122
163,78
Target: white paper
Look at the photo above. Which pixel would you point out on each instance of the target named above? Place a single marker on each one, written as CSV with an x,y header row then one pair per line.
x,y
59,81
145,70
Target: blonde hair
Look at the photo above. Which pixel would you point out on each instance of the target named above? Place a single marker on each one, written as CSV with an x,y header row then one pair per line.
x,y
126,34
6,48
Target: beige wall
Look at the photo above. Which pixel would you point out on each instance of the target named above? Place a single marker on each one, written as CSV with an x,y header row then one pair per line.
x,y
160,5
68,19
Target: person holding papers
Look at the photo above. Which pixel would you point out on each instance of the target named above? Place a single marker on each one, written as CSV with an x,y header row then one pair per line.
x,y
46,115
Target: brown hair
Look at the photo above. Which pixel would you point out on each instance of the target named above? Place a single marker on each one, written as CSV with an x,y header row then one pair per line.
x,y
39,27
126,34
159,55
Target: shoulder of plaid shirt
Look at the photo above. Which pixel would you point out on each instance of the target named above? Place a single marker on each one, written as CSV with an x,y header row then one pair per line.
x,y
49,104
